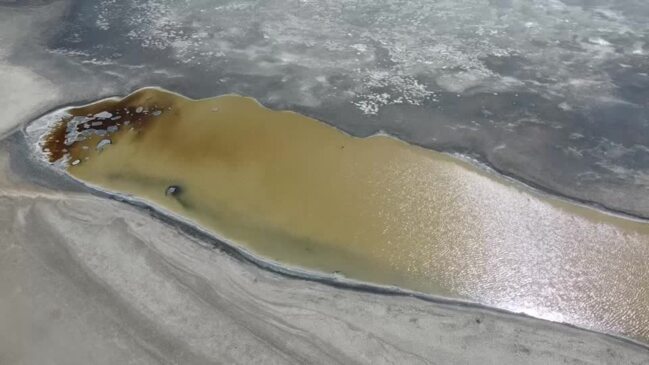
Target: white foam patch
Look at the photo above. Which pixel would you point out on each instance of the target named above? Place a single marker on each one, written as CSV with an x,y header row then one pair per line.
x,y
393,53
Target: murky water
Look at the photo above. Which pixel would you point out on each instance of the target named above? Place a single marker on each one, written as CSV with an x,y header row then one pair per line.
x,y
376,209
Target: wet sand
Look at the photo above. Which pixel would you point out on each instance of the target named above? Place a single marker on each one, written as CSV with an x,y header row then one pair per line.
x,y
299,192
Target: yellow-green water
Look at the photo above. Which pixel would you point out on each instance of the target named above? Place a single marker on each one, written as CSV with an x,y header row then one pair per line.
x,y
300,192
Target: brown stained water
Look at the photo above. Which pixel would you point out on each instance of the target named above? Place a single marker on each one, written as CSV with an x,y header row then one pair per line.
x,y
376,209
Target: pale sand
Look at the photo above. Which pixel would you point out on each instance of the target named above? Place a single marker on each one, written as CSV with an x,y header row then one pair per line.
x,y
25,94
90,280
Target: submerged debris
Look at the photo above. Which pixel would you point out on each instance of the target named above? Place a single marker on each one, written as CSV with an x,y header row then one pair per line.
x,y
94,124
173,190
103,143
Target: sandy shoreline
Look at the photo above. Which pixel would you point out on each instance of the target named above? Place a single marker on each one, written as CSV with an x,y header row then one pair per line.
x,y
107,259
536,304
215,241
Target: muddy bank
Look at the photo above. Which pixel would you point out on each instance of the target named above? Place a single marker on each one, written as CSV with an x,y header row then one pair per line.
x,y
93,280
299,192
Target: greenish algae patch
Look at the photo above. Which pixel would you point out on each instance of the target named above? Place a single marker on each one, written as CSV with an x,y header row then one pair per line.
x,y
300,192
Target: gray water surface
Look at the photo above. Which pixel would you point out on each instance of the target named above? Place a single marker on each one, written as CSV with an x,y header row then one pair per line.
x,y
553,92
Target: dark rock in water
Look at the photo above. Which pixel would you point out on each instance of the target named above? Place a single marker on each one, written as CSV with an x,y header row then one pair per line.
x,y
173,190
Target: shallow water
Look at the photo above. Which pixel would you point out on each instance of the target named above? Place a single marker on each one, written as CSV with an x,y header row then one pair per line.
x,y
376,209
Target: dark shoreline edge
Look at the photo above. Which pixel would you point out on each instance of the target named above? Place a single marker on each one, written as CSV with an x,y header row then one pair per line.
x,y
35,170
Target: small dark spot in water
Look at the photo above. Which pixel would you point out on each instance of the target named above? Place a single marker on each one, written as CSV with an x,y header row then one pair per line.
x,y
173,190
478,320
